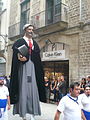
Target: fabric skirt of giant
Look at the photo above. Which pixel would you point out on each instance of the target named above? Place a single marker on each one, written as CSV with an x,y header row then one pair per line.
x,y
28,91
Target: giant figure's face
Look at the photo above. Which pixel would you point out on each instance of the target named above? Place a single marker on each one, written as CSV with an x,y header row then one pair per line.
x,y
29,31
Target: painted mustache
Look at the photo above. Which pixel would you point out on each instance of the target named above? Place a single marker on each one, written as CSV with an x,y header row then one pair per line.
x,y
30,33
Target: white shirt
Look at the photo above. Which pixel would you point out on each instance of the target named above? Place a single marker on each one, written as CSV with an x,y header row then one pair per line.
x,y
4,92
70,109
84,102
3,95
26,39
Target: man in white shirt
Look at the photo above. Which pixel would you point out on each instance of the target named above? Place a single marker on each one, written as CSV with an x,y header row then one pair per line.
x,y
4,100
84,101
69,106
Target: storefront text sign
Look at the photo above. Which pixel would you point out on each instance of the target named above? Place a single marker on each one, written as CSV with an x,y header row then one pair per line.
x,y
54,55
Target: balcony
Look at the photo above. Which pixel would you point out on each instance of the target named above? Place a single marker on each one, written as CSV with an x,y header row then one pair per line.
x,y
46,21
51,18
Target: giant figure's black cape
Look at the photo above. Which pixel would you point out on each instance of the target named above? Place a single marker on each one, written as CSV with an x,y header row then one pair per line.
x,y
14,82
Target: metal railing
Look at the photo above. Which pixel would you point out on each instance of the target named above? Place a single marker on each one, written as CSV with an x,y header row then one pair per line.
x,y
50,16
41,19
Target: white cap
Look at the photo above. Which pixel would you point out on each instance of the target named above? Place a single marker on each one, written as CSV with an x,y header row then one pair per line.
x,y
25,26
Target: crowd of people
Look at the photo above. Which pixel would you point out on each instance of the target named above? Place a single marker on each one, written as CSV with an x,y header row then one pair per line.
x,y
55,87
76,104
83,82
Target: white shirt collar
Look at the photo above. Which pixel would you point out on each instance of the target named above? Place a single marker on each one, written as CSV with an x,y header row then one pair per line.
x,y
27,40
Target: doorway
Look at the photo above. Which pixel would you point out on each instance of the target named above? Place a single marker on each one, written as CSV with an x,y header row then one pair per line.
x,y
57,68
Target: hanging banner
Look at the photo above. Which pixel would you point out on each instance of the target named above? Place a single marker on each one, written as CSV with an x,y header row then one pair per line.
x,y
54,55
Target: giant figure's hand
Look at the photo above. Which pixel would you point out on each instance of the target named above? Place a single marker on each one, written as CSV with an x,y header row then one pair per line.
x,y
21,58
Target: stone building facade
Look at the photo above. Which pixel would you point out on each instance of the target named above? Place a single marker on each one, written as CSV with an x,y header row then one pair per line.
x,y
62,32
4,17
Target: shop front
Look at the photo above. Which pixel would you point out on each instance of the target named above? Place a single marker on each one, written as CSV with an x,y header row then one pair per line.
x,y
57,69
56,62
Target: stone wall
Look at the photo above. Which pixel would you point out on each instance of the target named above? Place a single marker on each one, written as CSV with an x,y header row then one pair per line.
x,y
14,12
9,57
84,51
85,11
74,15
9,60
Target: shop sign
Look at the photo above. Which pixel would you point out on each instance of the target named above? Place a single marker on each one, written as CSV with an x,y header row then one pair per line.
x,y
54,55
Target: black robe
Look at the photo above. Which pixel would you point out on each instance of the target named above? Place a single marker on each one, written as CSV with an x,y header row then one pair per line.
x,y
14,82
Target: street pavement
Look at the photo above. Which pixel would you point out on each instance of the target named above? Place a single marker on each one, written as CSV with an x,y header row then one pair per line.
x,y
48,113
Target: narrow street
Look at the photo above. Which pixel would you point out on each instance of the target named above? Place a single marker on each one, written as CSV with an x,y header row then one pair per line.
x,y
48,112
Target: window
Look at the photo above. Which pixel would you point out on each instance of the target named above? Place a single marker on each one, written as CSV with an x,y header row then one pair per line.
x,y
53,11
25,14
57,7
49,11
